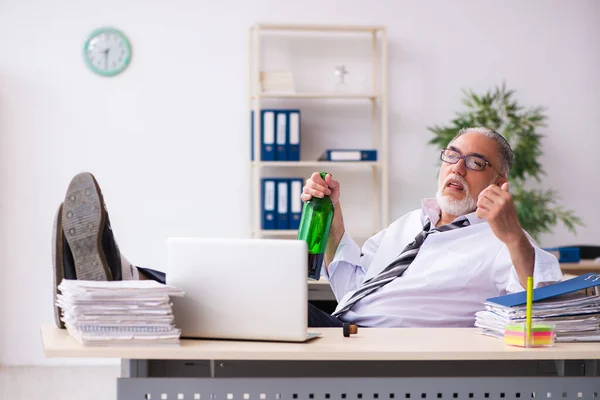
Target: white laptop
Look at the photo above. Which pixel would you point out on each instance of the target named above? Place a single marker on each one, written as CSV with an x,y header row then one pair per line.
x,y
248,289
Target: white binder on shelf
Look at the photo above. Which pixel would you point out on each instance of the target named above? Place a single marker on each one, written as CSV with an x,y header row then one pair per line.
x,y
281,136
294,136
295,202
282,204
268,135
268,202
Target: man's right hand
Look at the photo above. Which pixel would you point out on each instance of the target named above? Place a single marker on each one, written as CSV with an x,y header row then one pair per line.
x,y
317,187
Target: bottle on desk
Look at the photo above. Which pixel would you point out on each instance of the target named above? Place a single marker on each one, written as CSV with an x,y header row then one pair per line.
x,y
315,223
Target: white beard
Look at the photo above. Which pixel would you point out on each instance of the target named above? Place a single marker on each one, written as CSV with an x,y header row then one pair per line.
x,y
452,206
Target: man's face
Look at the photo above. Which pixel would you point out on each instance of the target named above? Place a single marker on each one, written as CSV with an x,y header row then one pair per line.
x,y
459,187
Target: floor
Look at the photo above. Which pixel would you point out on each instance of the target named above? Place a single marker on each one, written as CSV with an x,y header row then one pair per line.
x,y
59,383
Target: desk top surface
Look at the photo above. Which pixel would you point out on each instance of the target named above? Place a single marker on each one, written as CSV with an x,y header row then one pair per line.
x,y
368,344
582,266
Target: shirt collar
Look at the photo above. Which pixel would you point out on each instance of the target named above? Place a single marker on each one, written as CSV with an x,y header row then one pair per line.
x,y
431,210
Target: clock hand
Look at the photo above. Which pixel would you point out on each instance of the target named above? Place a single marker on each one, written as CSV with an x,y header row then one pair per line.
x,y
106,59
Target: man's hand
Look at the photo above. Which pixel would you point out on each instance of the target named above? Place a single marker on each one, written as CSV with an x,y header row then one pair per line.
x,y
317,187
496,206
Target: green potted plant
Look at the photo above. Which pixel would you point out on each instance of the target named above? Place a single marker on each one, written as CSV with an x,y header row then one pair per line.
x,y
538,210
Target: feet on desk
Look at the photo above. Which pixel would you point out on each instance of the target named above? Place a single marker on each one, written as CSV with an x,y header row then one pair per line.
x,y
83,244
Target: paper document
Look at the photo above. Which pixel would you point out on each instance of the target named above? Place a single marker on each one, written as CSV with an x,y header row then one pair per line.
x,y
576,317
118,312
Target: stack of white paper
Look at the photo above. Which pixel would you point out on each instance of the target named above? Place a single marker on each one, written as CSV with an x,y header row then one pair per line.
x,y
576,317
118,312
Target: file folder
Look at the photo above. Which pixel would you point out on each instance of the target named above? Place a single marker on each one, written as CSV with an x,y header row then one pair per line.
x,y
252,135
295,202
565,254
570,285
282,204
268,135
282,136
294,135
279,135
268,203
348,155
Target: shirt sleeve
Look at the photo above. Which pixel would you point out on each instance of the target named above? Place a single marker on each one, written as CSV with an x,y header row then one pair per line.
x,y
350,264
546,271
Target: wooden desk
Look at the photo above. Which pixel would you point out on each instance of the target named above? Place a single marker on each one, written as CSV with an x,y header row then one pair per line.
x,y
374,344
580,268
379,363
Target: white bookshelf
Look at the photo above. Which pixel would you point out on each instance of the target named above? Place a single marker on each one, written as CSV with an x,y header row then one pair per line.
x,y
356,96
319,28
316,164
356,234
376,100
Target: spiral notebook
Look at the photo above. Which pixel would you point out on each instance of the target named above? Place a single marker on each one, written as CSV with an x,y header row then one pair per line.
x,y
119,312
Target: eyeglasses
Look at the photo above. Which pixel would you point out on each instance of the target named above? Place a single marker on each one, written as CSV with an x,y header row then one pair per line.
x,y
474,163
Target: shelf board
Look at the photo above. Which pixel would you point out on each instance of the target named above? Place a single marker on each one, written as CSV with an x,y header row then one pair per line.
x,y
318,28
296,164
316,95
278,232
294,233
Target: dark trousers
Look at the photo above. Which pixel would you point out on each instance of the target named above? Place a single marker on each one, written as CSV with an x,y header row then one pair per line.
x,y
316,317
157,276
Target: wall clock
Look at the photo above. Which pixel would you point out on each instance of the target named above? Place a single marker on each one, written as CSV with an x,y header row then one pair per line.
x,y
107,52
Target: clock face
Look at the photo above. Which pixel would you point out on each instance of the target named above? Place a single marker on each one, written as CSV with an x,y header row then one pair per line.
x,y
107,52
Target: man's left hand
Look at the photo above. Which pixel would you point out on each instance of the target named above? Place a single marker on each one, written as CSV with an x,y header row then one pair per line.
x,y
496,206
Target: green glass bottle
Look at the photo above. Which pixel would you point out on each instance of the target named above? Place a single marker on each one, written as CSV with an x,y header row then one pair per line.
x,y
315,223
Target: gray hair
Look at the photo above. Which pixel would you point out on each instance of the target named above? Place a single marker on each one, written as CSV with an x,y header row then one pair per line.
x,y
506,153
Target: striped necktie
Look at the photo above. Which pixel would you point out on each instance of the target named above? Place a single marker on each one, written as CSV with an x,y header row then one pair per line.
x,y
398,266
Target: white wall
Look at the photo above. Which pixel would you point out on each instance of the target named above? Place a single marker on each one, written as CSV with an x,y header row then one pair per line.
x,y
150,134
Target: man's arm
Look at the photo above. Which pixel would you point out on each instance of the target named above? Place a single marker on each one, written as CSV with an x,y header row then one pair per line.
x,y
496,206
522,255
335,235
343,257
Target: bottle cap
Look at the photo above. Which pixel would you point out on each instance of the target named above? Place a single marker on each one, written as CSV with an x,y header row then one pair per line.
x,y
349,329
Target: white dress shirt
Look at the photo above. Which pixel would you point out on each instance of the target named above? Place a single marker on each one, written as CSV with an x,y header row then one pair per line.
x,y
452,275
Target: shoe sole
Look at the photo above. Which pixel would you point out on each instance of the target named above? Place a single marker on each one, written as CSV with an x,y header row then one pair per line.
x,y
57,263
83,224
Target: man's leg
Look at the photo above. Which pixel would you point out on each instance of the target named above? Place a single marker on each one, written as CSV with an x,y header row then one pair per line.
x,y
82,223
83,243
320,319
86,227
316,317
